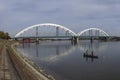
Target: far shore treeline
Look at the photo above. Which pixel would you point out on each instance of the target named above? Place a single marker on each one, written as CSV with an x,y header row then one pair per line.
x,y
4,35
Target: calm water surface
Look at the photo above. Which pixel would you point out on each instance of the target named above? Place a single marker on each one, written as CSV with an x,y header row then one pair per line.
x,y
84,61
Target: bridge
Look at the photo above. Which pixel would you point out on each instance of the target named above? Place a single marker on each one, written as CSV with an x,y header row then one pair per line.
x,y
50,31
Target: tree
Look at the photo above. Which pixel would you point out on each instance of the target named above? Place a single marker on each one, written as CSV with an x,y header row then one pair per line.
x,y
4,35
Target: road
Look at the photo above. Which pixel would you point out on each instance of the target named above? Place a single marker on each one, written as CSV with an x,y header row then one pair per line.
x,y
7,71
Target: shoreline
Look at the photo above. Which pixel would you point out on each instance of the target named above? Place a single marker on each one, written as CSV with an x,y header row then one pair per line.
x,y
36,71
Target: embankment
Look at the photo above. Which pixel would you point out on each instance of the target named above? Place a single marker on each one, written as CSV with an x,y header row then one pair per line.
x,y
25,67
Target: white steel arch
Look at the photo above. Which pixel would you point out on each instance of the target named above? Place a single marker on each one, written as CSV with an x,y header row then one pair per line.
x,y
82,32
46,24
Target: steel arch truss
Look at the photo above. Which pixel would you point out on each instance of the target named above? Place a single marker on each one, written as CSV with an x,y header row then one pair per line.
x,y
95,29
46,24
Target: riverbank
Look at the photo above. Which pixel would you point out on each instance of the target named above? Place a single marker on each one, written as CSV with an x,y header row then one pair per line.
x,y
7,71
23,68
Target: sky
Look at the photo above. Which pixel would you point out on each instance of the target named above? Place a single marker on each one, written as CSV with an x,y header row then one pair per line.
x,y
76,15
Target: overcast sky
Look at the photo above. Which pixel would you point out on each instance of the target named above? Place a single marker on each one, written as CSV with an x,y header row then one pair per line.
x,y
77,15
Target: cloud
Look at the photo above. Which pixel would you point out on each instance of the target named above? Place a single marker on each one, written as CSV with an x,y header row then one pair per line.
x,y
75,14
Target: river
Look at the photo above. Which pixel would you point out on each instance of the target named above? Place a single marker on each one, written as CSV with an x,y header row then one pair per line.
x,y
83,61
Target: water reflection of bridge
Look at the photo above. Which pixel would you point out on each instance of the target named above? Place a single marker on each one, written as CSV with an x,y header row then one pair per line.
x,y
59,51
90,49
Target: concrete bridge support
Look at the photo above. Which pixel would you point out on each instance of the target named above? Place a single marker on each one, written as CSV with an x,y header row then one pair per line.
x,y
27,40
37,34
74,40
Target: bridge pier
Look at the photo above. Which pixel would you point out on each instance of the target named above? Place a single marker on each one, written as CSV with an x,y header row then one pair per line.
x,y
37,40
74,40
27,40
37,34
91,39
104,38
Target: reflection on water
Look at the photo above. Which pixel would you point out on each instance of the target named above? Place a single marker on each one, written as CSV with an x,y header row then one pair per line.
x,y
58,50
84,61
